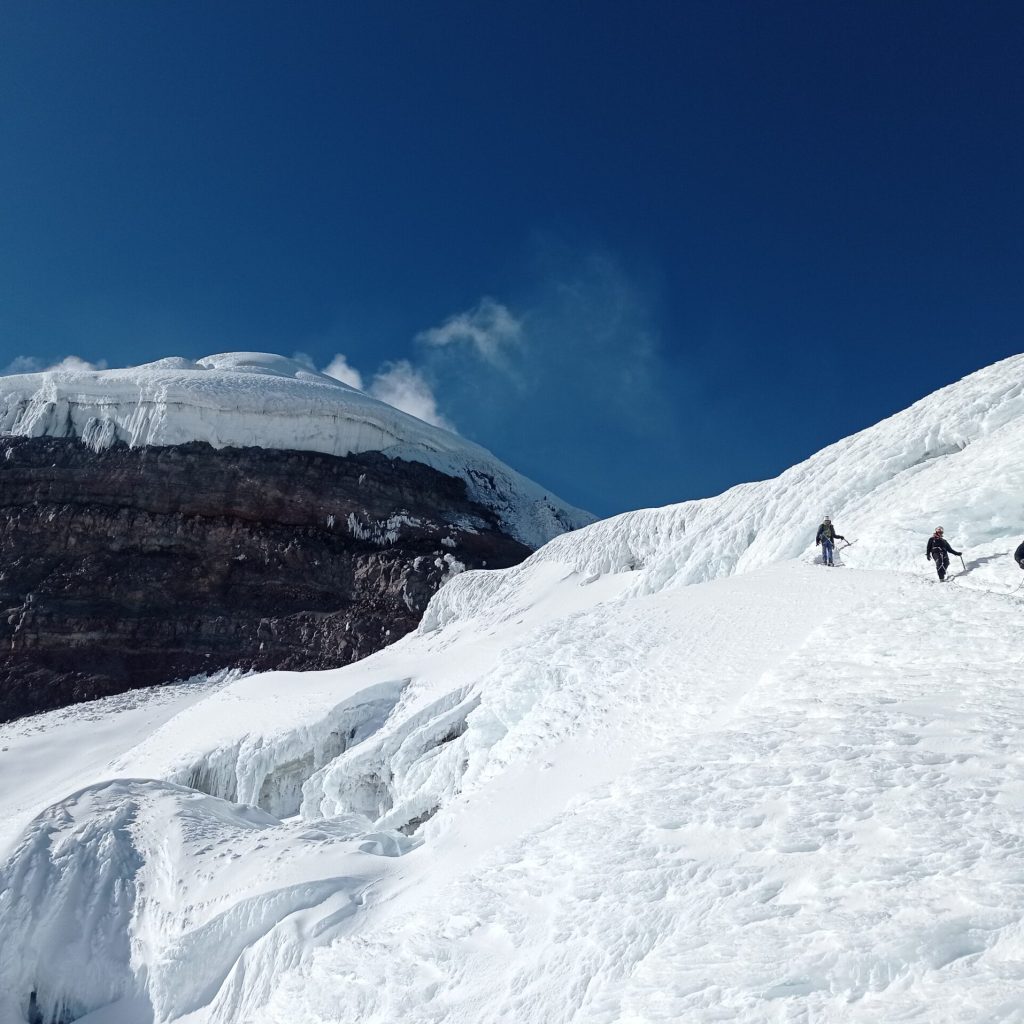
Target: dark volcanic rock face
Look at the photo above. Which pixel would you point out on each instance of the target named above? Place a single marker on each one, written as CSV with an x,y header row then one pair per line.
x,y
129,567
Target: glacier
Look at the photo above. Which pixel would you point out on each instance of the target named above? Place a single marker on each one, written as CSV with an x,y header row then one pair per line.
x,y
669,768
257,399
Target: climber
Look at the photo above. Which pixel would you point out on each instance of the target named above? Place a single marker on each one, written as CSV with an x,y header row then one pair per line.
x,y
939,550
827,538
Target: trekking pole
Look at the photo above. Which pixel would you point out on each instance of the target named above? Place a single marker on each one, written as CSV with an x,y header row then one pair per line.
x,y
962,563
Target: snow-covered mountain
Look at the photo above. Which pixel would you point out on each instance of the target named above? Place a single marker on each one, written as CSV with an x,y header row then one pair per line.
x,y
667,769
238,512
256,399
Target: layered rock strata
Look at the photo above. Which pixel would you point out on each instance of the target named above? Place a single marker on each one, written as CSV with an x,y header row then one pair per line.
x,y
128,567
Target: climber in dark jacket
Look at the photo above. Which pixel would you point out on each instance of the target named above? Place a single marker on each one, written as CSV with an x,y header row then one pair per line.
x,y
827,538
938,551
1018,555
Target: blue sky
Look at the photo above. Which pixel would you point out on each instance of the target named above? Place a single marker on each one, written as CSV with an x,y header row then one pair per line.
x,y
641,251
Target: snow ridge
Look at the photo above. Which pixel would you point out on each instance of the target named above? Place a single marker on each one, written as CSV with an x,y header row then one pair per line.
x,y
255,399
951,459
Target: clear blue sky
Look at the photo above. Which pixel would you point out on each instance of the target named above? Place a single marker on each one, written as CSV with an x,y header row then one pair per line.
x,y
714,236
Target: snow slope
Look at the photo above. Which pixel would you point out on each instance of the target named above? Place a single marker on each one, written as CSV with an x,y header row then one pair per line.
x,y
951,459
241,399
585,791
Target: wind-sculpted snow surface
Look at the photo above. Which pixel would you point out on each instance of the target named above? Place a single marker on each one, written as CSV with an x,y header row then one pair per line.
x,y
108,866
255,399
586,793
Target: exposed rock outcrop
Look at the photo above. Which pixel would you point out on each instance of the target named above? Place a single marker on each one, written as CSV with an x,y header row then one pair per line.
x,y
127,567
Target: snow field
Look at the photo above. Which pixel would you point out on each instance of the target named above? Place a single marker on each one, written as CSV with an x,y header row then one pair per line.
x,y
560,875
811,816
822,824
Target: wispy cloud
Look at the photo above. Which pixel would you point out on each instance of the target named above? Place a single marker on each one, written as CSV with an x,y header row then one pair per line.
x,y
577,351
490,328
398,383
576,356
305,359
598,325
488,334
402,385
32,364
339,369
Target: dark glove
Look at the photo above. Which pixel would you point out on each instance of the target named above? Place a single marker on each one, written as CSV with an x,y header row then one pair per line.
x,y
839,536
959,554
817,543
928,556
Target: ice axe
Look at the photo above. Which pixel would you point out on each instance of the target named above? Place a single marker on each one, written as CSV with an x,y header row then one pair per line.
x,y
962,562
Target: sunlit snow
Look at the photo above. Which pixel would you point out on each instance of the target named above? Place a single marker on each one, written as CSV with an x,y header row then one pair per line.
x,y
669,769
